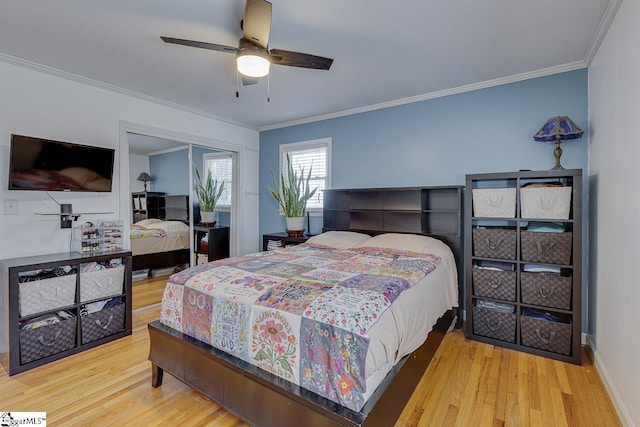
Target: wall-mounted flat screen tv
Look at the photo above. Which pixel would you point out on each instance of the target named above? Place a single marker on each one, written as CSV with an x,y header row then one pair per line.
x,y
46,165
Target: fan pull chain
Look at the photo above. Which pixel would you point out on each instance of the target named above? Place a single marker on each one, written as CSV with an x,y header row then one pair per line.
x,y
268,88
237,84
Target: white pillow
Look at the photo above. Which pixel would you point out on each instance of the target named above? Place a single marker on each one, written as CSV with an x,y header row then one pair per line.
x,y
147,222
339,239
408,242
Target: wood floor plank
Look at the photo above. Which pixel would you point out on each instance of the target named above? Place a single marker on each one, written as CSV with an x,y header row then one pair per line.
x,y
468,384
148,292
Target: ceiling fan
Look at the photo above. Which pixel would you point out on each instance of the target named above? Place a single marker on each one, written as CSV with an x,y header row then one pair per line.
x,y
253,57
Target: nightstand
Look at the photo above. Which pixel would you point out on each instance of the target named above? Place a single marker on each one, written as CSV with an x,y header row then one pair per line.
x,y
284,238
217,246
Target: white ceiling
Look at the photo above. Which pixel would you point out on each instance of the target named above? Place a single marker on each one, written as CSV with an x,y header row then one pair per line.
x,y
146,145
385,52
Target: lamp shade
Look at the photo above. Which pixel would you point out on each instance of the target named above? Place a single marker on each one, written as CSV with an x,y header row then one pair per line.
x,y
144,177
560,127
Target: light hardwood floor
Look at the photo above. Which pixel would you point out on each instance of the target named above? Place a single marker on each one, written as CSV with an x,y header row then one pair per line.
x,y
148,292
467,384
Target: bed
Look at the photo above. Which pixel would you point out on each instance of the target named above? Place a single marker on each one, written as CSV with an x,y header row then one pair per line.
x,y
157,243
281,393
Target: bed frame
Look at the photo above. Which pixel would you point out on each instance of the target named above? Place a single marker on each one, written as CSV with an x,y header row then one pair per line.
x,y
264,399
161,259
176,208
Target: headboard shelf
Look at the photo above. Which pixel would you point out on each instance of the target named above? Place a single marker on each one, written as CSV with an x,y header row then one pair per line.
x,y
431,211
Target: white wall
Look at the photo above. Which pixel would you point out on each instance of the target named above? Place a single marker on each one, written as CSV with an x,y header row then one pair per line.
x,y
614,173
38,104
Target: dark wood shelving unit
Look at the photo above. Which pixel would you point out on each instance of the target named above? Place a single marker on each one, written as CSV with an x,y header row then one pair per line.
x,y
147,204
431,211
11,308
519,224
176,208
217,246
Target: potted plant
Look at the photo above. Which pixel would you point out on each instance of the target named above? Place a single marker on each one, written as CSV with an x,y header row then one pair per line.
x,y
292,193
208,192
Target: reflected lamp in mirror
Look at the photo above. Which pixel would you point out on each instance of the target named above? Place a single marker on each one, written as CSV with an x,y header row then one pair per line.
x,y
558,129
144,177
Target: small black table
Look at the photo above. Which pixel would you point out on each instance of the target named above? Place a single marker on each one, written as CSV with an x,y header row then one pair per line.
x,y
217,246
284,238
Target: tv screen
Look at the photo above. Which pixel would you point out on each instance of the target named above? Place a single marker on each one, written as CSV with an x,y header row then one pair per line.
x,y
46,165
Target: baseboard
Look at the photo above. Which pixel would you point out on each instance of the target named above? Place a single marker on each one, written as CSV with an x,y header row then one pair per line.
x,y
625,418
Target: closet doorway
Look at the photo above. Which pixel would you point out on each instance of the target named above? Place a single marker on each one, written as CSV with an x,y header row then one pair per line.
x,y
169,196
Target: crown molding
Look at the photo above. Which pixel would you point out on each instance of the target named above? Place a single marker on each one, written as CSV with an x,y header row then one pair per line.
x,y
605,22
111,88
438,94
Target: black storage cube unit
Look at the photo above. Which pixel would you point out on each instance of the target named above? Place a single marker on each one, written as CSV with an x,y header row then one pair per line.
x,y
102,323
40,333
494,284
47,340
494,243
546,289
546,238
494,324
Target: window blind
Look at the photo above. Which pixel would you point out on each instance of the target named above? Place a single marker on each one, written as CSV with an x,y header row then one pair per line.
x,y
312,159
221,168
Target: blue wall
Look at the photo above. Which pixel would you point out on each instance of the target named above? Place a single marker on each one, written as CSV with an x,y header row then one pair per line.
x,y
170,172
439,141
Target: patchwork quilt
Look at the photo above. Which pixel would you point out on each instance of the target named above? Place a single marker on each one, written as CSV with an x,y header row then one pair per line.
x,y
138,231
303,313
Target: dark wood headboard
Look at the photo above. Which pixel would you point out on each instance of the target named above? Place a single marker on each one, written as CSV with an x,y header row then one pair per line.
x,y
429,211
177,208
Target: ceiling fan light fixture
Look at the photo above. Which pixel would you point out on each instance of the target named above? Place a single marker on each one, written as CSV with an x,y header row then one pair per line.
x,y
253,65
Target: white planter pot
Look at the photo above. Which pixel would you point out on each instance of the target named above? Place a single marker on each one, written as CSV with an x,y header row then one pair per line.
x,y
208,217
295,224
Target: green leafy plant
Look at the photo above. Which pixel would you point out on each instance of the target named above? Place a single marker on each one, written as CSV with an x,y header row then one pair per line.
x,y
292,192
208,190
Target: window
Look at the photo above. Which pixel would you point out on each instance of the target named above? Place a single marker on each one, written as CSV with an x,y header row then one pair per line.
x,y
315,156
221,167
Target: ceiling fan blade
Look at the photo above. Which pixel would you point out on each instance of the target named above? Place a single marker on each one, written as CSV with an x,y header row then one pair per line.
x,y
247,81
202,45
296,59
256,24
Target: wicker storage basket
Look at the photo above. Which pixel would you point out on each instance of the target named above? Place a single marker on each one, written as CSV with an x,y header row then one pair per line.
x,y
47,340
553,248
497,243
101,283
546,335
102,323
494,284
545,202
494,324
546,289
494,202
47,294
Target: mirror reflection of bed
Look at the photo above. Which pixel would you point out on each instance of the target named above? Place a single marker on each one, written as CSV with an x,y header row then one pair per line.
x,y
168,163
160,248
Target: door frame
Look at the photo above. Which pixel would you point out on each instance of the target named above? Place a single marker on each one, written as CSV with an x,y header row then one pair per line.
x,y
236,232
